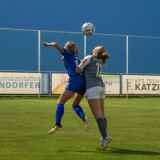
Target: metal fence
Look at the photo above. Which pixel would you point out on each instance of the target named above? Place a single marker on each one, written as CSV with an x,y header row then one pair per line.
x,y
22,51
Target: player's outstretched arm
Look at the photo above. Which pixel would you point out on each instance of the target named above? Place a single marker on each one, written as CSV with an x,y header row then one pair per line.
x,y
53,44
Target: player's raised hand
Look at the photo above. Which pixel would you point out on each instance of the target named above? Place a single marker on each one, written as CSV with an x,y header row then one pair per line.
x,y
53,44
45,44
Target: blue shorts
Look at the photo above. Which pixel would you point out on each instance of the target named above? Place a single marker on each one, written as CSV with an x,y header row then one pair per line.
x,y
76,85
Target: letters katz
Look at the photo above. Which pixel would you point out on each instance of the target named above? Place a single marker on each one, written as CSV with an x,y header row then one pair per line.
x,y
147,87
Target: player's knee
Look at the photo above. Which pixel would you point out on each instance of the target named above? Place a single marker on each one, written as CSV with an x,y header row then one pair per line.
x,y
96,116
74,104
103,115
60,100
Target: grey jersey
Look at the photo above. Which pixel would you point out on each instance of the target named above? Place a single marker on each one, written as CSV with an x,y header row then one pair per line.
x,y
91,67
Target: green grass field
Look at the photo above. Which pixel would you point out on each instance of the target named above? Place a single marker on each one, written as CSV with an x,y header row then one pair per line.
x,y
133,124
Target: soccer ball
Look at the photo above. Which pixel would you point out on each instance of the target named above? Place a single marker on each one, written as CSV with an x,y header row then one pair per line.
x,y
88,29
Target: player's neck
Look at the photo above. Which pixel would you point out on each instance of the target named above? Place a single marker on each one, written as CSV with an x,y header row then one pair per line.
x,y
95,54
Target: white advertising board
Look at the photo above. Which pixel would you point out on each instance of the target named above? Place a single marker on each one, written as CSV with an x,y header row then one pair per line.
x,y
139,84
59,81
112,84
23,83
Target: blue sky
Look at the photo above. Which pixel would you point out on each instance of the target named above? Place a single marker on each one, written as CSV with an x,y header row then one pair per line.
x,y
125,17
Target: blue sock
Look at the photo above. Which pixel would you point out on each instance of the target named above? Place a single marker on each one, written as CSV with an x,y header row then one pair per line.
x,y
79,111
59,112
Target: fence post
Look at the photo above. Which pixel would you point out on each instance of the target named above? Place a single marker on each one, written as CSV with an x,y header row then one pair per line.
x,y
126,54
39,51
39,60
84,46
50,87
127,63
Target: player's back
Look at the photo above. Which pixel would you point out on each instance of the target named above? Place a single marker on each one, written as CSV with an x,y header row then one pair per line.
x,y
92,72
71,61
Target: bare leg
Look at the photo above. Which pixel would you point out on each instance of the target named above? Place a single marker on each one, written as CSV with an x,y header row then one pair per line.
x,y
65,96
95,108
77,99
102,111
101,100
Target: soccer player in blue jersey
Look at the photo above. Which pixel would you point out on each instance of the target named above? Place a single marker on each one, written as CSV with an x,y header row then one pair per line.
x,y
76,84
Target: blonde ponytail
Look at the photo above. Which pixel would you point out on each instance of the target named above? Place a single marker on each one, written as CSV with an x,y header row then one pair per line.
x,y
105,56
102,54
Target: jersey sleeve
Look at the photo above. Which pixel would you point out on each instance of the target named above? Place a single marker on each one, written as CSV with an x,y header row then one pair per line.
x,y
85,62
66,52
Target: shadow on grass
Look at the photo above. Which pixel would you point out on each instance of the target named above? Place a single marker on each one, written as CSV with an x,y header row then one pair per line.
x,y
115,150
127,151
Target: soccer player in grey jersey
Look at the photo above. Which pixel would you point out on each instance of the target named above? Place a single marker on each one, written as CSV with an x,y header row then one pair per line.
x,y
91,66
92,71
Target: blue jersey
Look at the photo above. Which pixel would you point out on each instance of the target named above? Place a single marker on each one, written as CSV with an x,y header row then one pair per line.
x,y
71,61
76,81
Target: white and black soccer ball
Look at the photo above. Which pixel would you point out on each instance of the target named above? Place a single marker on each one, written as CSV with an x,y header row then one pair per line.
x,y
88,29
